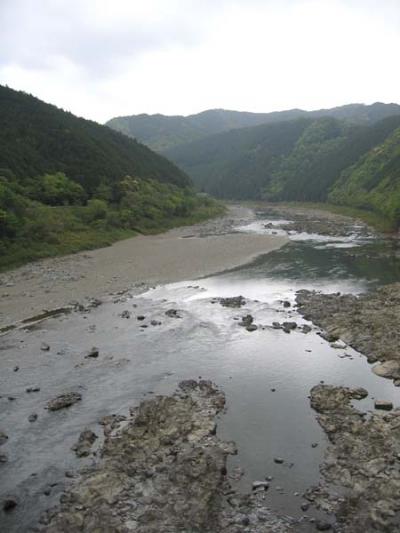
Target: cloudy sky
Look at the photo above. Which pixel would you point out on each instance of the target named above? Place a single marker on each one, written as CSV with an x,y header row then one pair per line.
x,y
103,58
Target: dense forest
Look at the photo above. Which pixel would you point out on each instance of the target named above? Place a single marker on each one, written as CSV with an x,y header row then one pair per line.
x,y
302,160
67,183
161,132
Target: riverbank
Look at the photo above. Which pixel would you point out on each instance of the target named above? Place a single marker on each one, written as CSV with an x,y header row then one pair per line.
x,y
184,253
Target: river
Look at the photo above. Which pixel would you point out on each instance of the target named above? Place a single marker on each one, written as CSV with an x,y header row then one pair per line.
x,y
266,374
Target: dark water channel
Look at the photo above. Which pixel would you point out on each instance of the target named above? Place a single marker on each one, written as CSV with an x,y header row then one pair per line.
x,y
266,375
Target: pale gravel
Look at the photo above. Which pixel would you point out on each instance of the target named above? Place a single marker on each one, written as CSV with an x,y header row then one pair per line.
x,y
168,257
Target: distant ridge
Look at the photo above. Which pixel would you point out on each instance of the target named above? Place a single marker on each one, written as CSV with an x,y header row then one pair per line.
x,y
162,132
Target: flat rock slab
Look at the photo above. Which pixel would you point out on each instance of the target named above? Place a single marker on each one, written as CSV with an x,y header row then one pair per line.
x,y
64,400
389,369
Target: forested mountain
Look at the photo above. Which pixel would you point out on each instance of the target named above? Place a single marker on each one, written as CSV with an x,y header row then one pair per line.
x,y
36,138
162,132
373,183
67,183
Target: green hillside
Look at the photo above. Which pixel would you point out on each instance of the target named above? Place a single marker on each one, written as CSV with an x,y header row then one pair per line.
x,y
373,183
67,184
292,160
36,138
162,132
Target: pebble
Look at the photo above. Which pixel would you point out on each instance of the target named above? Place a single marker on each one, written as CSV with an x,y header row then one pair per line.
x,y
33,417
278,460
34,388
45,347
383,404
9,504
94,352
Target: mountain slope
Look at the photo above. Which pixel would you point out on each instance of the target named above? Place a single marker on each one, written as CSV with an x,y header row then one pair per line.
x,y
68,184
292,160
162,132
373,183
37,138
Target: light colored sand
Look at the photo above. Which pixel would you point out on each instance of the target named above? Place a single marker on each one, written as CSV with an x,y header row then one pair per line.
x,y
169,257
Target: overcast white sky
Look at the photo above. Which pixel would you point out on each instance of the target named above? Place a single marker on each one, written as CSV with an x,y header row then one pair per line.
x,y
103,58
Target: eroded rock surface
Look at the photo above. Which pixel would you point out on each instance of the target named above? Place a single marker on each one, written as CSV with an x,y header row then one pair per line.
x,y
165,471
370,323
362,465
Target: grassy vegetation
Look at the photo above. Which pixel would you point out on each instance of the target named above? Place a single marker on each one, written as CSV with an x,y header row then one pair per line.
x,y
30,229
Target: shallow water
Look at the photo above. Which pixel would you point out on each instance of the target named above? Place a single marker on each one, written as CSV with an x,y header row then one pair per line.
x,y
206,341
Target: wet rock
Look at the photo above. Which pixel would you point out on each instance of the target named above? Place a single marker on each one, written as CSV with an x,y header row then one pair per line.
x,y
389,369
246,321
322,525
33,388
155,323
125,314
92,353
16,368
306,328
360,462
251,327
289,325
3,438
286,304
165,471
264,485
278,460
383,405
3,458
140,317
276,325
173,313
33,417
85,442
45,347
9,504
338,345
63,401
235,302
368,323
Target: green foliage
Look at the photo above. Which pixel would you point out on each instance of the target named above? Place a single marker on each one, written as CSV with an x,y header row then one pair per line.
x,y
30,229
373,183
55,189
162,133
37,139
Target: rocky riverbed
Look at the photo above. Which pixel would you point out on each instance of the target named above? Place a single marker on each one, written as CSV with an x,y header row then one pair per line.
x,y
367,322
164,471
361,470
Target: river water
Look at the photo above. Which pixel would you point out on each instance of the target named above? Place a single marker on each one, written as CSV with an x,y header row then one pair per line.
x,y
266,374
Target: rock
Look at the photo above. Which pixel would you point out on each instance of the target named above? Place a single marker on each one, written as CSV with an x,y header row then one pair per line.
x,y
276,325
165,470
16,368
173,313
235,302
140,317
9,504
306,328
289,325
338,345
3,438
45,347
155,323
33,417
383,404
63,401
251,327
125,314
260,485
322,525
3,458
286,304
85,442
314,444
33,388
246,321
92,353
389,369
278,460
305,506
